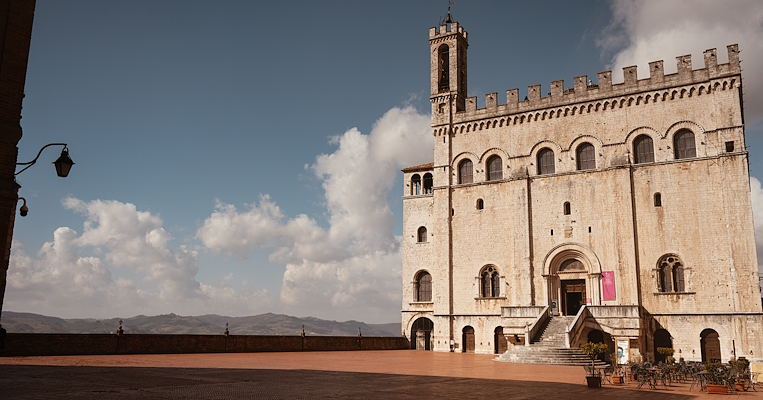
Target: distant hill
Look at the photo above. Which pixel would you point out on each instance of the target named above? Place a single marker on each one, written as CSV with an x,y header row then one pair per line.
x,y
263,324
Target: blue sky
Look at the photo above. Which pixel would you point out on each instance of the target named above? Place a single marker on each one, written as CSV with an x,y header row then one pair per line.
x,y
236,157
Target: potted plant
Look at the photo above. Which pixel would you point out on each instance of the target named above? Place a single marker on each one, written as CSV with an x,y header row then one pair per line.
x,y
618,375
668,353
741,371
592,350
717,377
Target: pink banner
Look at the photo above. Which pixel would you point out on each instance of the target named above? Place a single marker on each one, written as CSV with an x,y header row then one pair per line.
x,y
608,284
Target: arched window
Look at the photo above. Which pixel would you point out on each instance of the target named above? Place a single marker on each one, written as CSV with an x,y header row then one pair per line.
x,y
671,271
545,161
444,68
683,143
643,149
423,287
427,183
422,237
586,157
567,208
415,185
465,172
480,204
494,168
490,282
657,200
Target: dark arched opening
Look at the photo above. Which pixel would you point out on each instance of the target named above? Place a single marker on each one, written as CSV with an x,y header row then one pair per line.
x,y
710,344
662,338
421,334
597,336
501,344
467,338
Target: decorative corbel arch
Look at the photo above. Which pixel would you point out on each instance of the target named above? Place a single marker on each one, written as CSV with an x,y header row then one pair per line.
x,y
648,130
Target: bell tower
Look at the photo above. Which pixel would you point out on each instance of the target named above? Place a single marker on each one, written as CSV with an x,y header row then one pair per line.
x,y
448,69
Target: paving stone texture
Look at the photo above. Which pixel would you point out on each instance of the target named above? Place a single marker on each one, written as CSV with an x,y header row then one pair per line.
x,y
400,374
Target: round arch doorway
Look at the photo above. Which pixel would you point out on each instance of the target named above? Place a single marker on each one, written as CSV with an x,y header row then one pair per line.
x,y
467,338
421,334
662,338
710,344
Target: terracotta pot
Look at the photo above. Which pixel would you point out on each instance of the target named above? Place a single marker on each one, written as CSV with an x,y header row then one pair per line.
x,y
739,386
593,381
618,379
717,389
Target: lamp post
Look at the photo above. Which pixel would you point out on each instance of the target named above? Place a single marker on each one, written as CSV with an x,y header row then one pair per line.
x,y
63,163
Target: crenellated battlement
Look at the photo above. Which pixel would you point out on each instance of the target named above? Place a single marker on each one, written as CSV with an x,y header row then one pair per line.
x,y
584,91
445,30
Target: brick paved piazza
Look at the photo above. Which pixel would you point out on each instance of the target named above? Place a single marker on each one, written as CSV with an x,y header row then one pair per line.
x,y
334,375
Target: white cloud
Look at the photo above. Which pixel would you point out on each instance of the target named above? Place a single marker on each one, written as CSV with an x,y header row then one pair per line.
x,y
64,281
352,268
651,30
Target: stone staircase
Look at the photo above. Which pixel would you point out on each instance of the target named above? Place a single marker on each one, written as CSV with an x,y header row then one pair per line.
x,y
548,348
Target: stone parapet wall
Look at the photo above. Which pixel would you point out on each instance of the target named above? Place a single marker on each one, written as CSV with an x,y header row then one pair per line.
x,y
56,344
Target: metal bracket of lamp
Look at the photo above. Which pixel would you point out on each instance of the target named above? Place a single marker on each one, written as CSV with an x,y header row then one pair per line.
x,y
63,163
63,166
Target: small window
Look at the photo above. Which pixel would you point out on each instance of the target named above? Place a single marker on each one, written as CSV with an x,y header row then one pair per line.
x,y
423,288
545,161
683,143
586,157
427,183
657,200
422,235
465,172
490,282
494,168
480,204
643,150
415,185
730,147
567,208
552,232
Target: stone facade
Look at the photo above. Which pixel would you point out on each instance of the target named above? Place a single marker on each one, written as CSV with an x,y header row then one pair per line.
x,y
625,205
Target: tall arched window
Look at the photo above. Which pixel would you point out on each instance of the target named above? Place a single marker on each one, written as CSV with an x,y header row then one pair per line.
x,y
683,143
567,208
494,168
427,183
424,287
443,68
586,157
671,271
465,172
422,235
657,200
490,282
643,149
415,185
546,161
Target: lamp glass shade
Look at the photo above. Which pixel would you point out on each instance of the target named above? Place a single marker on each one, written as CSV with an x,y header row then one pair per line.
x,y
63,164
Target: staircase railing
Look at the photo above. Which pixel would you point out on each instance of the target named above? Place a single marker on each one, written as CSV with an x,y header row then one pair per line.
x,y
575,326
532,330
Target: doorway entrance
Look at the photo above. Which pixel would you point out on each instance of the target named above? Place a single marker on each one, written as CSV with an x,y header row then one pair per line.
x,y
468,339
710,345
573,296
421,334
